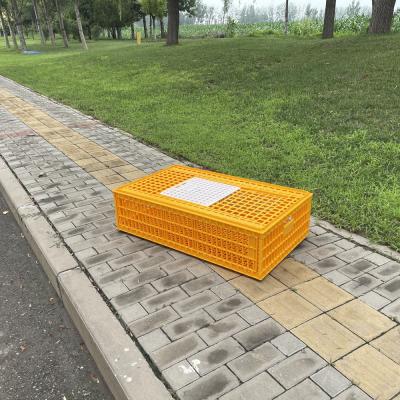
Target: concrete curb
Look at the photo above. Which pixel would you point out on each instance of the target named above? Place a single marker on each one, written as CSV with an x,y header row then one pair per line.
x,y
122,365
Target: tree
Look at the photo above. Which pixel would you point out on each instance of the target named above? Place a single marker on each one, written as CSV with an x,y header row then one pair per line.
x,y
225,9
11,28
61,24
174,6
38,22
79,23
329,19
3,28
49,23
382,16
286,16
16,13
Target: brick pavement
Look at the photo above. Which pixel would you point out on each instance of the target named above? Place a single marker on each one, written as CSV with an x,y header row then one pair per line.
x,y
324,324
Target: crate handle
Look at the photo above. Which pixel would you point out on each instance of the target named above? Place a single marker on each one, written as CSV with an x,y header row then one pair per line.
x,y
289,225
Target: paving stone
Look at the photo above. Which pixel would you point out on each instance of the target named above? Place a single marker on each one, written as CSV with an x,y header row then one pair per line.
x,y
258,334
179,265
164,299
200,284
353,393
323,294
215,356
195,302
258,290
374,300
125,260
149,262
133,296
357,268
225,273
101,258
289,309
393,310
361,285
362,319
210,386
253,314
180,375
177,351
115,275
256,361
377,258
297,367
144,277
345,244
305,245
327,265
288,344
337,278
199,269
387,271
291,273
114,289
132,313
262,387
354,254
326,251
361,367
304,390
325,238
222,329
390,289
304,258
389,344
224,290
173,280
228,306
327,337
331,380
154,340
189,324
98,270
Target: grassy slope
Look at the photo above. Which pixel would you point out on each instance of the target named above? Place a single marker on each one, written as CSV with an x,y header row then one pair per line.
x,y
321,115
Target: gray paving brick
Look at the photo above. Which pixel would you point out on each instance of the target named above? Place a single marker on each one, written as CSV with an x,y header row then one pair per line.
x,y
180,375
354,254
361,285
288,344
325,238
153,321
199,269
224,290
173,280
132,313
304,258
297,367
179,264
304,390
256,361
377,259
390,289
357,268
115,275
228,306
177,351
138,245
195,302
164,299
326,251
189,324
144,277
133,296
154,340
304,246
101,258
114,289
210,386
258,334
374,300
98,270
149,262
200,284
327,265
392,310
353,393
253,314
222,329
337,278
85,244
262,387
331,380
345,244
126,260
387,271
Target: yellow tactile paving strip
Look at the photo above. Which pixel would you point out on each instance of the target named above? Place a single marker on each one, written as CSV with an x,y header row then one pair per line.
x,y
103,165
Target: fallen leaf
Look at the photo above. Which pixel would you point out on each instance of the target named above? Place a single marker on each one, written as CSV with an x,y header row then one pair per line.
x,y
5,212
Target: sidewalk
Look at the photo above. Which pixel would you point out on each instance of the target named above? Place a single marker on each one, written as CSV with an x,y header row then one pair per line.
x,y
323,325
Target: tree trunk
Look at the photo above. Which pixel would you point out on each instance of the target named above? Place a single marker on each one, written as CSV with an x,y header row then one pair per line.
x,y
173,22
49,24
151,27
11,27
329,19
61,23
3,28
18,23
382,16
119,33
145,27
152,17
162,29
79,22
38,23
133,31
286,16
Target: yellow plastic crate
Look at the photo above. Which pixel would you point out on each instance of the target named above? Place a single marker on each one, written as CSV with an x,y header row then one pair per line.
x,y
250,231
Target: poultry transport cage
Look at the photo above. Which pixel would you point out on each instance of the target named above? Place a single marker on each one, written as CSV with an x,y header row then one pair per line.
x,y
240,224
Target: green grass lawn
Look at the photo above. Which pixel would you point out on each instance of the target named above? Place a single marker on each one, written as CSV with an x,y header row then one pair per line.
x,y
320,115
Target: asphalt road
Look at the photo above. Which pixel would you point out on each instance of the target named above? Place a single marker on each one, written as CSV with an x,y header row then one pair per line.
x,y
41,353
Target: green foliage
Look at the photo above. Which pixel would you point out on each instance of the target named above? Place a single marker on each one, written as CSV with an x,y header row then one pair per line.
x,y
320,115
231,26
